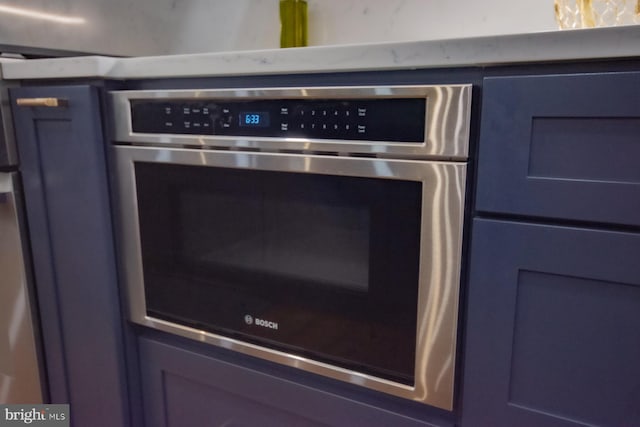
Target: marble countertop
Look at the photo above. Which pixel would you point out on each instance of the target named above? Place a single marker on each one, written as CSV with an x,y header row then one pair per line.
x,y
600,43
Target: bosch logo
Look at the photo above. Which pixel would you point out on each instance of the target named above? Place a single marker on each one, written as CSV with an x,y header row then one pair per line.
x,y
266,324
249,320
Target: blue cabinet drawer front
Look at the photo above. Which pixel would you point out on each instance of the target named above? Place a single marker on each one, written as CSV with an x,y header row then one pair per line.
x,y
552,327
561,147
182,388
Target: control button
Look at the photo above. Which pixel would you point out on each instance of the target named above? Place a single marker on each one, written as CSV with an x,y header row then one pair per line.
x,y
324,126
362,112
226,125
335,126
313,112
226,111
186,110
187,125
205,110
324,112
347,126
284,126
206,125
362,128
196,124
335,112
168,124
196,110
168,110
313,125
347,113
301,125
284,111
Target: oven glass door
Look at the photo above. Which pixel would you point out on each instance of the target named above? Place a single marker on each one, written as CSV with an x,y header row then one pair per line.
x,y
342,266
321,266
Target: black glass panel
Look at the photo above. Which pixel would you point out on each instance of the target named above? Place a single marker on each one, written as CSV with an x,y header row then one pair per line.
x,y
391,120
321,266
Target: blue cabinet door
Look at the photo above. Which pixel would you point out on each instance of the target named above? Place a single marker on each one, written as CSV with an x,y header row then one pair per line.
x,y
62,160
182,388
553,327
563,147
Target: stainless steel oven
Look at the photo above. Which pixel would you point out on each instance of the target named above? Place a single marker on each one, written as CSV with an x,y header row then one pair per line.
x,y
317,227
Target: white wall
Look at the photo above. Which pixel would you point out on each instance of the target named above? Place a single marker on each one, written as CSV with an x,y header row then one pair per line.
x,y
148,27
358,21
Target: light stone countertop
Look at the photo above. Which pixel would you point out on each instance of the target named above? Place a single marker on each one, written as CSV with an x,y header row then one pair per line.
x,y
600,43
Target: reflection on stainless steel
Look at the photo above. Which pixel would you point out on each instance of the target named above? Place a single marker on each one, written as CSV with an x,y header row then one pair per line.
x,y
41,15
19,372
446,134
441,301
443,184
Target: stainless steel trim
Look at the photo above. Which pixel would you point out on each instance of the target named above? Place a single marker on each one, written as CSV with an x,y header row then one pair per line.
x,y
446,134
19,369
7,139
443,186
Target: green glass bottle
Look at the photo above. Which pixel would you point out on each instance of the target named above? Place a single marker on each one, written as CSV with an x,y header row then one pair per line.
x,y
293,23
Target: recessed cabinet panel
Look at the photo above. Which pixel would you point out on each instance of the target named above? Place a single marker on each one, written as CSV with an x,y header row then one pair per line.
x,y
552,328
556,143
182,388
584,329
561,147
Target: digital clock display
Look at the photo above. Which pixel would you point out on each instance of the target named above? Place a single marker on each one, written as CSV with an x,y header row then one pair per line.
x,y
254,119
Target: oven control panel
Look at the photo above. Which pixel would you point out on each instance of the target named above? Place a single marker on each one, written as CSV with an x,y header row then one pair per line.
x,y
386,119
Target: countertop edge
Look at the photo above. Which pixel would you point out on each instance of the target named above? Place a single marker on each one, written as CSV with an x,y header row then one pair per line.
x,y
592,44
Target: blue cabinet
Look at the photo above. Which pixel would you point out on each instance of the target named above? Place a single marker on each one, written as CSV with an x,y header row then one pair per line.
x,y
63,167
561,147
182,388
552,329
552,316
